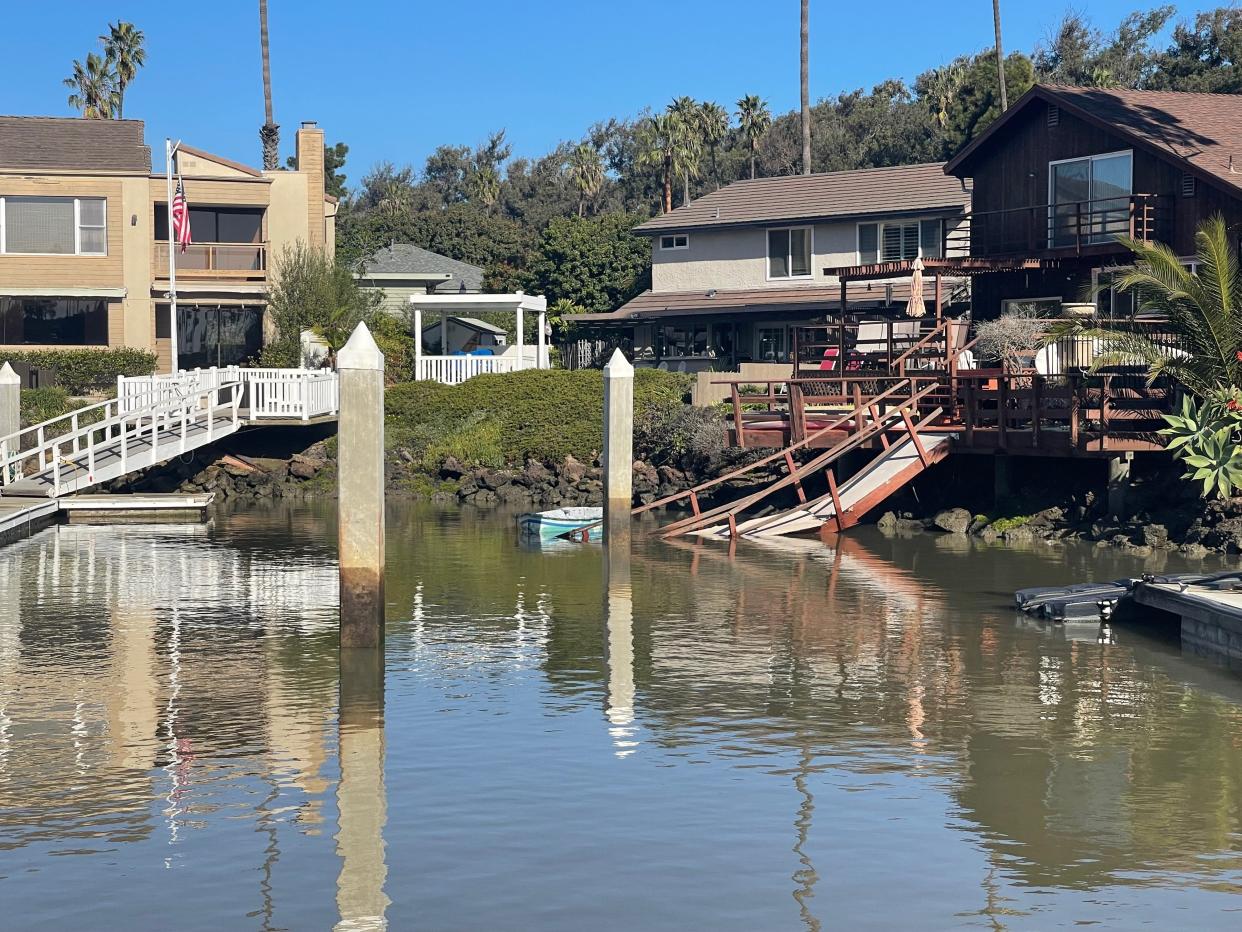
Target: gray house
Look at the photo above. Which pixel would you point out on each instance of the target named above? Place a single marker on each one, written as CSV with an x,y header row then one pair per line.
x,y
402,270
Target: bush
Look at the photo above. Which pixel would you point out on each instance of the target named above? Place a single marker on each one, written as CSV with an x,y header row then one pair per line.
x,y
82,371
676,433
393,337
544,414
43,404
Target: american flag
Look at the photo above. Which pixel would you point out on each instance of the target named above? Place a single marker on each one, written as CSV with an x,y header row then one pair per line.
x,y
181,218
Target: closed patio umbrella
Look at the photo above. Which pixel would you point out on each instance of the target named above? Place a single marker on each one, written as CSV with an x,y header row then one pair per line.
x,y
914,307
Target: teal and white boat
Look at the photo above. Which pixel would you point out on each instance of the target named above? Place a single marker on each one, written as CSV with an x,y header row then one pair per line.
x,y
562,522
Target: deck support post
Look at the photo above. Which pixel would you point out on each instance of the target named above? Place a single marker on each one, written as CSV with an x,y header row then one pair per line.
x,y
10,407
618,448
1118,483
360,491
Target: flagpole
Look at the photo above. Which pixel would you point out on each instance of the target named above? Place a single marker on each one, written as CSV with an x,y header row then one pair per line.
x,y
169,150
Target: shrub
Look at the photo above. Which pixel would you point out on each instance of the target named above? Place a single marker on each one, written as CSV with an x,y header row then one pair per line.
x,y
545,414
82,371
43,404
393,337
1016,333
678,433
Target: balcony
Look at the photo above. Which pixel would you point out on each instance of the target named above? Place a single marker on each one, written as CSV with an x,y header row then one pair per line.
x,y
1057,230
223,261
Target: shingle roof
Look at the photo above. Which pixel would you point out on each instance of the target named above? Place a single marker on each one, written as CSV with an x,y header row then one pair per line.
x,y
404,258
73,144
1202,130
900,189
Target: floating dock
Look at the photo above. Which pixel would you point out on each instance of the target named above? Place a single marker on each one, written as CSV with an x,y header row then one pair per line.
x,y
1211,614
21,517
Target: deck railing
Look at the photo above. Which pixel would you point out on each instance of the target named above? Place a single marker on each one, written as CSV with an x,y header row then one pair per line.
x,y
453,370
268,393
215,260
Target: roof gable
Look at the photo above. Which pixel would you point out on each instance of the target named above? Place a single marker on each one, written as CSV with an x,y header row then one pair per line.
x,y
407,259
900,189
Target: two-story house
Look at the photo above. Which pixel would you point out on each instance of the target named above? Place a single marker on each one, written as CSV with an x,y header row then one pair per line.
x,y
735,271
1066,171
84,240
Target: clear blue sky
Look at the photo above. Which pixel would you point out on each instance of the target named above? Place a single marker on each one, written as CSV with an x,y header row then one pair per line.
x,y
395,78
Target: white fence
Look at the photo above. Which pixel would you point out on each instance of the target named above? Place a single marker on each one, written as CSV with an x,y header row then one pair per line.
x,y
453,370
268,394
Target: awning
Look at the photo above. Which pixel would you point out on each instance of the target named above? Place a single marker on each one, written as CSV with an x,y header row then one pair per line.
x,y
50,291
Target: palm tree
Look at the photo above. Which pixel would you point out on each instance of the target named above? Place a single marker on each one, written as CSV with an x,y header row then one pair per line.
x,y
485,186
714,126
689,135
94,88
123,46
1000,56
586,171
755,118
806,87
1203,309
269,132
657,141
942,88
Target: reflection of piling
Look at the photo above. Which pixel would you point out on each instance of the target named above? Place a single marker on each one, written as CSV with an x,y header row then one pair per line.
x,y
618,446
361,797
10,405
360,484
619,621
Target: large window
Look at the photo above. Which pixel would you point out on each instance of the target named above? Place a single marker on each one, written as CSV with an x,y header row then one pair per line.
x,y
54,321
789,253
213,334
216,224
1089,199
898,241
55,226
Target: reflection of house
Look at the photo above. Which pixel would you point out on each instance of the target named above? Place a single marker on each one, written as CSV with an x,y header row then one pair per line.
x,y
84,249
402,270
465,335
734,271
1067,170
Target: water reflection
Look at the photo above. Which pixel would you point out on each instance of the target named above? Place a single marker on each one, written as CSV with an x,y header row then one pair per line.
x,y
794,731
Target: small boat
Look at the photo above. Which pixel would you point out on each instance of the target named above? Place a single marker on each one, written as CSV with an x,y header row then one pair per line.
x,y
562,522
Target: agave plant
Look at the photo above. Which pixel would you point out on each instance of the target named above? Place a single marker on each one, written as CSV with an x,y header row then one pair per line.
x,y
1215,459
1203,436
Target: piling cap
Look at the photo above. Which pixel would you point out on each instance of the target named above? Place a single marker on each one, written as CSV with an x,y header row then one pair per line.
x,y
8,376
618,366
360,351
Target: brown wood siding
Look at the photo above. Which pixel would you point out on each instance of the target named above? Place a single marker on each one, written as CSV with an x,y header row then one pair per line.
x,y
1013,172
70,271
241,192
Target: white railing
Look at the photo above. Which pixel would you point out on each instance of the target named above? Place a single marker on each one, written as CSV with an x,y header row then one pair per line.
x,y
453,370
73,443
268,393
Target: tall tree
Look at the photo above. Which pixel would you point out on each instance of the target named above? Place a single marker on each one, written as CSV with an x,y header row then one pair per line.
x,y
333,162
125,53
586,170
1000,56
658,149
755,120
714,125
94,88
806,87
484,186
269,132
688,134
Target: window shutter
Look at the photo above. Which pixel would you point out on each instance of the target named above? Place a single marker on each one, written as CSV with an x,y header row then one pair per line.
x,y
1054,115
891,247
868,243
1188,184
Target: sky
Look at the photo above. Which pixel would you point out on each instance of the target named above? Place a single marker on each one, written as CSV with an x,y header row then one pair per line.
x,y
395,78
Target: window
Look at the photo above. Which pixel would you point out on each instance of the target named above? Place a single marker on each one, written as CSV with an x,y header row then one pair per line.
x,y
213,334
216,224
54,321
789,253
771,344
675,241
683,341
1089,199
895,242
56,226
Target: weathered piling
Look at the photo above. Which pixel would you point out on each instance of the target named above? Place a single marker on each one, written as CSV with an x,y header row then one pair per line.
x,y
10,404
360,490
618,447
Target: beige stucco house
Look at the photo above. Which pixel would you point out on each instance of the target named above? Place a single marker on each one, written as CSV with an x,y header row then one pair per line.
x,y
84,250
733,272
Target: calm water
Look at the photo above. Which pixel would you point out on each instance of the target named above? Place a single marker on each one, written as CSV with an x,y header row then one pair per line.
x,y
792,736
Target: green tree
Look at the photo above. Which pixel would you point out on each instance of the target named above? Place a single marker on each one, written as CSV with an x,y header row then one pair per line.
x,y
658,149
125,54
597,263
484,187
312,291
586,170
687,141
1078,53
269,132
755,120
978,100
1205,57
333,162
714,126
94,88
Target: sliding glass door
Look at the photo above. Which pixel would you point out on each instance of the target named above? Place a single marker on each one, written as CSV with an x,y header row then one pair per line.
x,y
1089,199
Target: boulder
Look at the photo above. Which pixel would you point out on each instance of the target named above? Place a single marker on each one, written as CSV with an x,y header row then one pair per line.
x,y
909,526
953,520
571,470
451,469
1023,533
302,467
1155,535
535,472
887,522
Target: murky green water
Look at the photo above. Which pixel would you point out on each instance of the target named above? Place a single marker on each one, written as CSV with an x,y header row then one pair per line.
x,y
793,736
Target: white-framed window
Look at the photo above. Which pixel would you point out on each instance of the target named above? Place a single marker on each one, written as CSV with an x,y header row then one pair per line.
x,y
771,344
674,241
53,226
789,252
1089,198
898,240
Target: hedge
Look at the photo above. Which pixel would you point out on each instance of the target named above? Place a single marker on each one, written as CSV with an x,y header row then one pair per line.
x,y
43,404
543,414
81,371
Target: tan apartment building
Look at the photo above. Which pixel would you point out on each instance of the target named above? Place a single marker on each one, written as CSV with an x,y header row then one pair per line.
x,y
84,240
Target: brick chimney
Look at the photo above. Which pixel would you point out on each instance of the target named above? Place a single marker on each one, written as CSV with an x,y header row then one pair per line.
x,y
310,163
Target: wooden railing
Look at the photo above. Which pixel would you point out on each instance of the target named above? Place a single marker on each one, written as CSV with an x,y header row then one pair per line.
x,y
214,260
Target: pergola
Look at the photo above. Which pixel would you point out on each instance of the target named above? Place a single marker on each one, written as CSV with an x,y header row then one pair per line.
x,y
454,369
